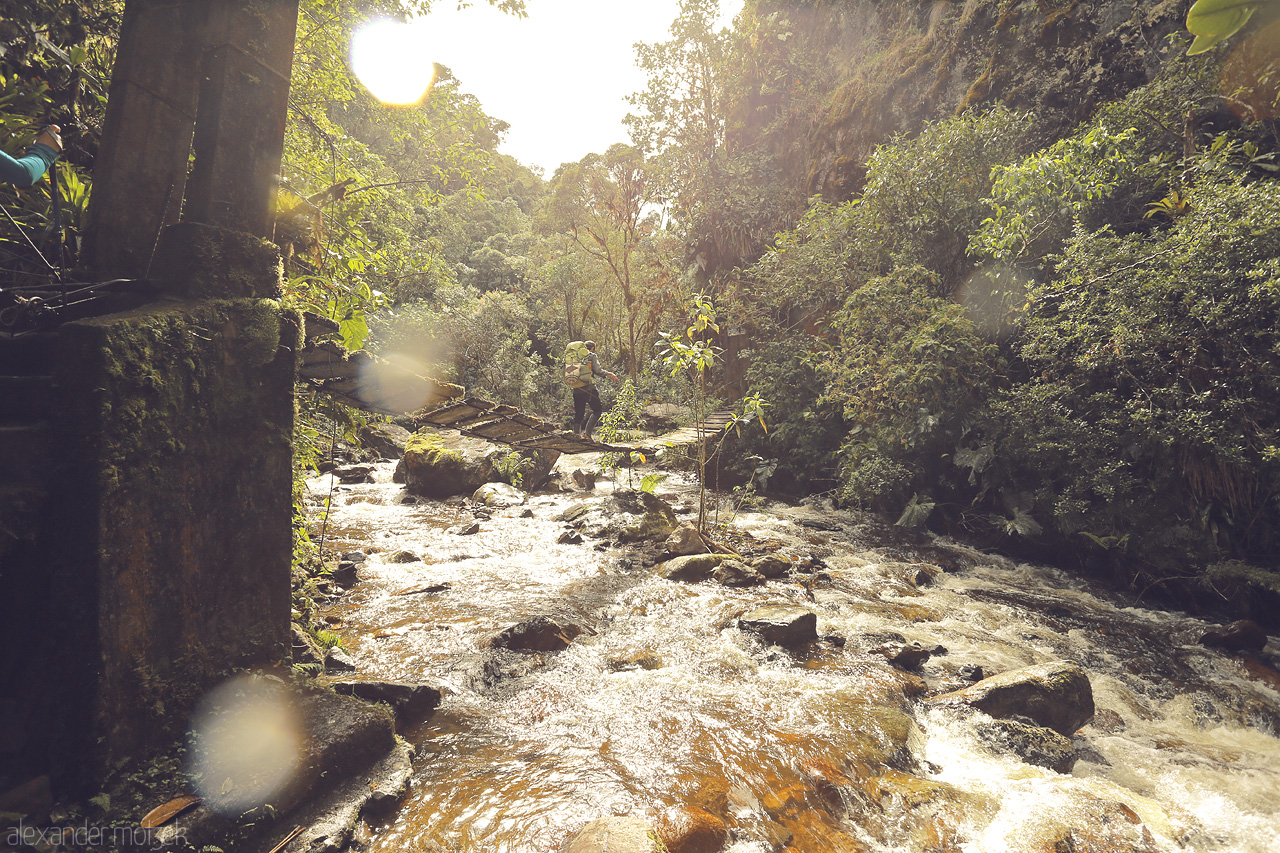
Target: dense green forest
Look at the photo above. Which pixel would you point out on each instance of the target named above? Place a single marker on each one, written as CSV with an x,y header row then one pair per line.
x,y
986,286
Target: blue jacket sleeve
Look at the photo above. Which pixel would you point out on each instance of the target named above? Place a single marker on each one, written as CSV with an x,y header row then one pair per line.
x,y
29,168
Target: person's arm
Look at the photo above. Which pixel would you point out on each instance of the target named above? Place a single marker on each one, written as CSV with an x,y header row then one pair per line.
x,y
30,167
597,370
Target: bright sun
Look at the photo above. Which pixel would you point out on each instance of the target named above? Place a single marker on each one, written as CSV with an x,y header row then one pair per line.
x,y
391,60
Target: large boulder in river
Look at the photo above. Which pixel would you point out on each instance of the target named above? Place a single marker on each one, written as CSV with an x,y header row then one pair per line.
x,y
787,625
691,568
615,835
1056,695
443,464
387,439
625,516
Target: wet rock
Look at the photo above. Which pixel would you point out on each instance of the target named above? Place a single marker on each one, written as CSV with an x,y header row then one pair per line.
x,y
526,513
409,702
691,830
498,495
387,439
350,474
570,537
690,569
970,672
771,565
786,625
1056,694
346,575
442,464
354,557
467,528
685,541
736,573
626,517
615,835
875,734
537,634
914,574
905,656
336,660
305,650
583,479
404,557
1243,636
1033,744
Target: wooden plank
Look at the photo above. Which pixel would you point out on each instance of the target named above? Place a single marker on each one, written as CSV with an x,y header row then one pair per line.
x,y
505,431
448,415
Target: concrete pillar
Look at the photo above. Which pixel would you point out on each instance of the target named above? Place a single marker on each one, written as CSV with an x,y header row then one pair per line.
x,y
146,137
244,100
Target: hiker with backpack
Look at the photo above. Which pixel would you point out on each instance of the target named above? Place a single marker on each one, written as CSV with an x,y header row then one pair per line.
x,y
581,367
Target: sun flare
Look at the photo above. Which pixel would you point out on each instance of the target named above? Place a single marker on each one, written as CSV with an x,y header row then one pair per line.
x,y
391,60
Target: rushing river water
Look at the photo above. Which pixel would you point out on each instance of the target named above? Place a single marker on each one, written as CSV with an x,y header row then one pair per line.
x,y
665,707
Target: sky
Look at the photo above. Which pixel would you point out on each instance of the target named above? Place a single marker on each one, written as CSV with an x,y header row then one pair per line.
x,y
558,77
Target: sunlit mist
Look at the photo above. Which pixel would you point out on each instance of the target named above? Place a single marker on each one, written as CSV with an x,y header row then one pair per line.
x,y
398,383
247,744
390,59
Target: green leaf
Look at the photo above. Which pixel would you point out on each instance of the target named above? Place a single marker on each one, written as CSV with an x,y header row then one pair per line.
x,y
1215,20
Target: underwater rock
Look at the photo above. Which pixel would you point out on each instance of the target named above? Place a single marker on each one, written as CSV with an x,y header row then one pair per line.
x,y
691,830
615,835
1033,744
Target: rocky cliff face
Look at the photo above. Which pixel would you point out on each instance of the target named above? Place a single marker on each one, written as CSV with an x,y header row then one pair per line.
x,y
898,64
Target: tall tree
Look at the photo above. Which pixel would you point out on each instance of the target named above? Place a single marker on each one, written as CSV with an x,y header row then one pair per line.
x,y
603,204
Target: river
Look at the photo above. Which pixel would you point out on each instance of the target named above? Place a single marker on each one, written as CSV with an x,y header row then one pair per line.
x,y
663,709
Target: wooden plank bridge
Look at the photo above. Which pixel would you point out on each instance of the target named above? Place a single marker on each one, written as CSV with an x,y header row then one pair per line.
x,y
385,387
504,424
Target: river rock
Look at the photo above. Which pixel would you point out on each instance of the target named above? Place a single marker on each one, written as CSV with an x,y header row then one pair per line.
x,y
537,634
626,516
771,565
615,835
387,439
1242,636
685,540
736,573
1033,744
350,474
443,464
691,830
786,625
409,702
1056,694
690,569
345,575
336,660
498,495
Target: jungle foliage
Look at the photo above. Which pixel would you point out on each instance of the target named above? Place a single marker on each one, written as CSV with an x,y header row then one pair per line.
x,y
1058,340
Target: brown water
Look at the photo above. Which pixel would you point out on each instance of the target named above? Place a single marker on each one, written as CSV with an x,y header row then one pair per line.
x,y
664,704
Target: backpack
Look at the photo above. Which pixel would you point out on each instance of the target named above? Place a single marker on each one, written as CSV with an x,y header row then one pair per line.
x,y
577,365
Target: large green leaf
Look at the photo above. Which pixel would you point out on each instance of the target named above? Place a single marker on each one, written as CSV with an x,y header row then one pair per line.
x,y
1214,20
